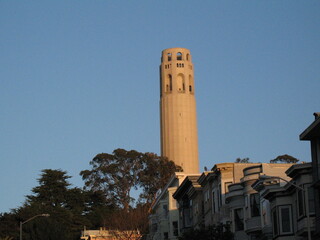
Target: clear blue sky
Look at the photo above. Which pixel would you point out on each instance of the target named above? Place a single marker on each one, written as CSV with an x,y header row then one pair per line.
x,y
79,78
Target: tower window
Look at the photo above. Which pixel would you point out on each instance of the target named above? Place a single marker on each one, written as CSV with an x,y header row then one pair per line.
x,y
188,57
180,83
170,82
179,56
190,84
169,56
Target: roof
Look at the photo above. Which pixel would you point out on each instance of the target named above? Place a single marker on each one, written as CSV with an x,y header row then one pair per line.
x,y
313,130
298,169
189,181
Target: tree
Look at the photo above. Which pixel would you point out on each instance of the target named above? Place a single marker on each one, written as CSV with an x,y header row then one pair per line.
x,y
130,225
119,173
67,208
9,225
52,189
284,159
155,175
242,160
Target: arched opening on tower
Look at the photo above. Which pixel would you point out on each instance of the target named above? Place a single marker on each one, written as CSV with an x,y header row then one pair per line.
x,y
169,56
169,83
191,84
179,56
187,56
181,83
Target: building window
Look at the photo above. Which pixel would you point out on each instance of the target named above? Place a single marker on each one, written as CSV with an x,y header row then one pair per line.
x,y
255,205
310,198
175,228
206,196
179,56
238,219
165,210
169,56
170,82
282,220
190,84
219,196
265,212
285,219
300,203
275,222
213,202
181,83
166,235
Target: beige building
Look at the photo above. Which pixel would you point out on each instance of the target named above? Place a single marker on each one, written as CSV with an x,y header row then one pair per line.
x,y
244,202
164,218
287,207
215,187
103,234
179,137
189,197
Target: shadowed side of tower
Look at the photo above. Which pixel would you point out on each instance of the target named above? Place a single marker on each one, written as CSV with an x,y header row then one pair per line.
x,y
179,137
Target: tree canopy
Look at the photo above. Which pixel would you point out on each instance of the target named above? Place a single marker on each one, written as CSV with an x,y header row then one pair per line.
x,y
284,159
242,160
121,172
104,201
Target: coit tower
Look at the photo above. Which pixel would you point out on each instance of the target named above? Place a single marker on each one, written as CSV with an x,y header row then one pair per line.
x,y
179,138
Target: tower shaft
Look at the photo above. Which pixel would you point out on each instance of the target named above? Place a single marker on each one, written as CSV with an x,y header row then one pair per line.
x,y
179,138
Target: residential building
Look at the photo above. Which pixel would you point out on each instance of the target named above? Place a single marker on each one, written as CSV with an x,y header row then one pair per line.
x,y
164,218
312,134
103,234
287,206
244,201
215,187
190,202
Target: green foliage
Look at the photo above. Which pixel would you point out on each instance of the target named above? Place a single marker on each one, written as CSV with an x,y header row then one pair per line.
x,y
105,202
215,232
119,173
284,159
242,160
70,209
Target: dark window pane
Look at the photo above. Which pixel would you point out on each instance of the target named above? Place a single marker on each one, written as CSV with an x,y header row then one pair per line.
x,y
275,223
255,205
285,220
300,203
238,219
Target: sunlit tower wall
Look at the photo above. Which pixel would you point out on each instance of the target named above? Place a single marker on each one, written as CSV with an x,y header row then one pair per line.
x,y
179,137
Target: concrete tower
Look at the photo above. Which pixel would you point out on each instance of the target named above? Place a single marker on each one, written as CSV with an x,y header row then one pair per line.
x,y
179,138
